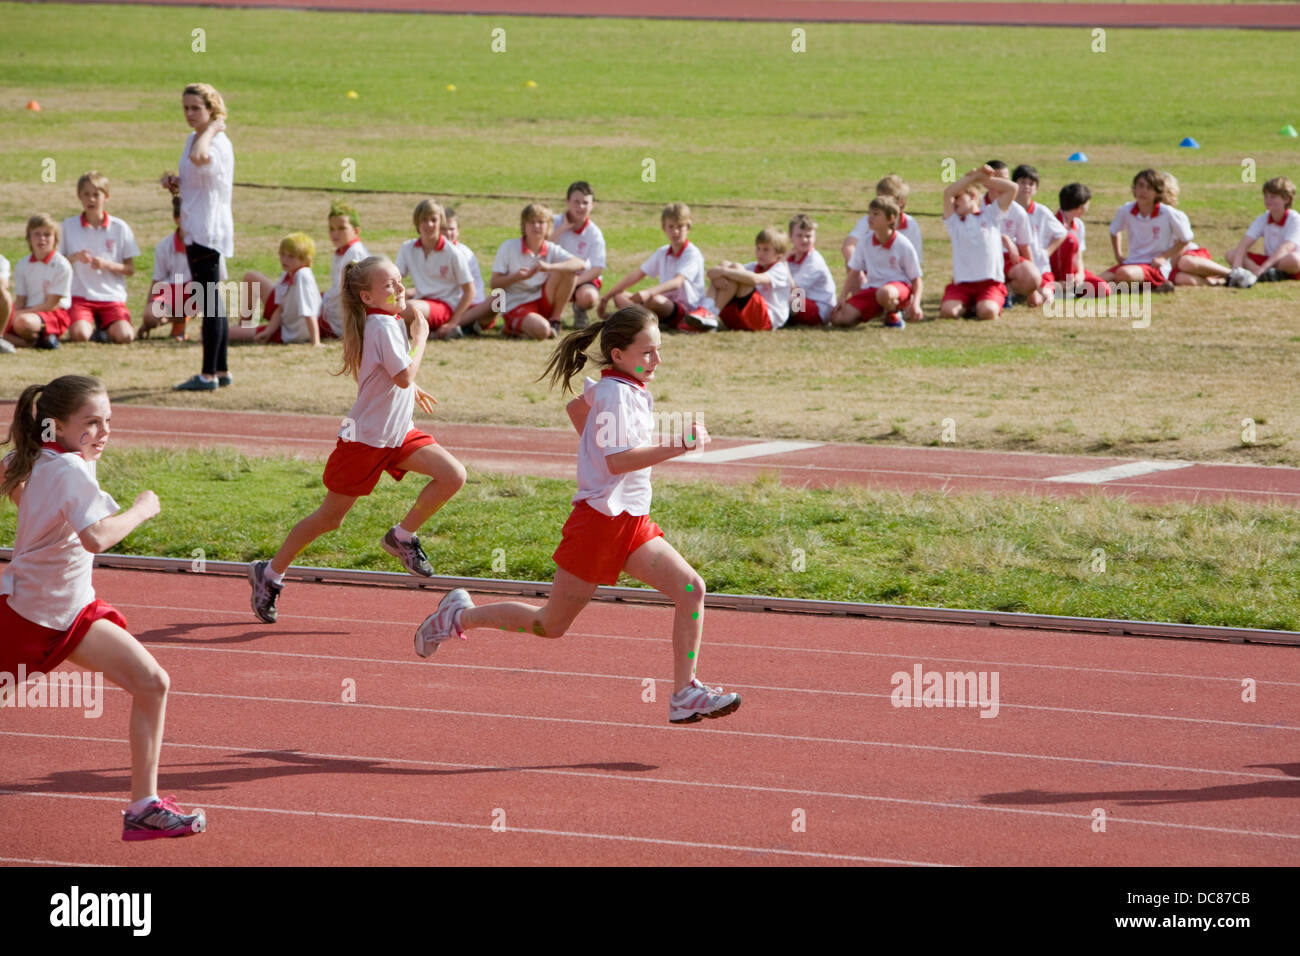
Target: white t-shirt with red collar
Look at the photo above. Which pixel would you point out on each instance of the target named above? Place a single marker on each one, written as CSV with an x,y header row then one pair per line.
x,y
331,302
383,413
1044,229
663,266
48,577
1148,236
893,260
586,242
977,244
907,225
1275,233
111,239
298,296
621,417
777,294
515,255
35,279
813,275
438,273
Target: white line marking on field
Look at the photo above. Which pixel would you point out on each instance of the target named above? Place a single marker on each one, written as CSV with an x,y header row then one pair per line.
x,y
1131,470
705,784
19,859
757,450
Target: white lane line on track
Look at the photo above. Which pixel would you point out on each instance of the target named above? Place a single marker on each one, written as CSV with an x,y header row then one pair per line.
x,y
763,735
755,450
639,778
623,637
1133,469
792,690
537,831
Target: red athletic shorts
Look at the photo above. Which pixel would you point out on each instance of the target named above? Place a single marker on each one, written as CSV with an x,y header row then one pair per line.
x,y
56,322
748,316
969,293
1048,280
515,317
865,300
326,330
1259,259
811,314
1195,253
593,282
102,314
439,313
1009,261
595,547
44,648
354,468
1149,272
172,294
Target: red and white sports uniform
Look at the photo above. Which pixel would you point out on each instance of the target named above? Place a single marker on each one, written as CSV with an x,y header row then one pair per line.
x,y
1148,236
37,279
1067,259
1044,229
49,602
378,431
438,273
171,270
331,302
766,307
1274,233
586,242
110,239
892,262
610,518
977,244
663,265
298,296
907,225
514,255
813,276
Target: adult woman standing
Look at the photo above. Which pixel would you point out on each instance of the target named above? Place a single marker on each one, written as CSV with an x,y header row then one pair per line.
x,y
206,175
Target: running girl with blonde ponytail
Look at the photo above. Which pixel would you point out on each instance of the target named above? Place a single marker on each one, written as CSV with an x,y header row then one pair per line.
x,y
609,529
48,609
377,435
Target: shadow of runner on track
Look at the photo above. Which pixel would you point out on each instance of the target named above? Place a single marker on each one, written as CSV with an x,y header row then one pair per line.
x,y
1283,788
183,634
221,774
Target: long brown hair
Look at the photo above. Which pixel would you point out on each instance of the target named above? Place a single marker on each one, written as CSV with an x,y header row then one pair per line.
x,y
38,406
616,332
356,277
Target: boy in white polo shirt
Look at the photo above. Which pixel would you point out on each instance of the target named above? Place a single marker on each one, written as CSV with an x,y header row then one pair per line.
x,y
102,251
812,287
892,270
1279,226
575,232
1020,274
345,237
977,289
536,276
734,287
444,289
1046,233
42,289
291,305
1157,234
897,190
677,298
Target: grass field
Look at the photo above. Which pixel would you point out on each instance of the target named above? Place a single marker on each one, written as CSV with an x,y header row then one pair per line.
x,y
1228,564
748,132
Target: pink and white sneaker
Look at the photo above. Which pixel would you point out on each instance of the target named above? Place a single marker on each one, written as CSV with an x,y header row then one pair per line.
x,y
162,818
696,702
444,623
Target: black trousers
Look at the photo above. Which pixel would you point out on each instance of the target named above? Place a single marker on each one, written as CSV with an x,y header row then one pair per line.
x,y
205,267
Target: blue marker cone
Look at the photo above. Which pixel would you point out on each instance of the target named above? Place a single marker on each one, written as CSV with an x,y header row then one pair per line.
x,y
1190,143
1077,158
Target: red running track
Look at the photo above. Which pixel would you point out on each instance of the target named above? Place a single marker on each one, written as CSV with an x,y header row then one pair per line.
x,y
551,453
1154,15
553,740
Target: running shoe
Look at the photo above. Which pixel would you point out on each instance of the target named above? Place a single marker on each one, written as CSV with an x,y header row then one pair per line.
x,y
579,318
697,702
162,818
264,592
196,383
225,379
100,336
409,553
1240,278
443,624
894,321
50,341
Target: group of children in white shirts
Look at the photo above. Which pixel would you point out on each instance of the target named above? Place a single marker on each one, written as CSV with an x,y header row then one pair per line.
x,y
1004,244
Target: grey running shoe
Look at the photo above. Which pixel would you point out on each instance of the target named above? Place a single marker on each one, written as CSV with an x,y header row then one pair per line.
x,y
264,592
162,818
409,553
